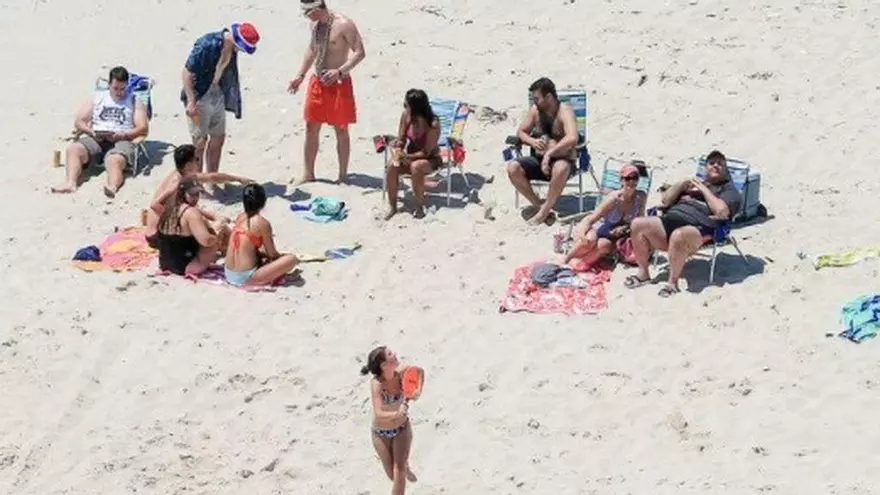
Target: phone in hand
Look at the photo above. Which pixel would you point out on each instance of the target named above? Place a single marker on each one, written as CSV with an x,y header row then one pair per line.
x,y
103,135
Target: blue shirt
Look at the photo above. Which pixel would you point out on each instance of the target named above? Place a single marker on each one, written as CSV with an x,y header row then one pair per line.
x,y
202,63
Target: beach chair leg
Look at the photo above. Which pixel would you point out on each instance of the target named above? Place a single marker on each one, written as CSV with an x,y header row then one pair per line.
x,y
595,180
712,264
467,183
580,192
736,246
449,173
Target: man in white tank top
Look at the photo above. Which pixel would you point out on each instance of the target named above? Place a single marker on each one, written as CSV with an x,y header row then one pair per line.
x,y
109,125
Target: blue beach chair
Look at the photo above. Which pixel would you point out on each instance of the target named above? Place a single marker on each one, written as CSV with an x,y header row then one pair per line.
x,y
453,116
610,182
721,237
577,99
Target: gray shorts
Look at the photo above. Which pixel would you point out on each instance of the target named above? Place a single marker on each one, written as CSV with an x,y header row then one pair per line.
x,y
99,150
212,115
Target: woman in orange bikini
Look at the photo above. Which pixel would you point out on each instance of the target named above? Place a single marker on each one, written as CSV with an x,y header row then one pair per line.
x,y
392,433
251,243
415,151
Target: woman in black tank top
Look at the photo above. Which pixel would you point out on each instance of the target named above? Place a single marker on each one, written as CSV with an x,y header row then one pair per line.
x,y
186,245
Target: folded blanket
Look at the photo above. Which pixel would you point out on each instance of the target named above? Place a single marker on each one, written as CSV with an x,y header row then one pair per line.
x,y
322,209
524,295
123,250
861,318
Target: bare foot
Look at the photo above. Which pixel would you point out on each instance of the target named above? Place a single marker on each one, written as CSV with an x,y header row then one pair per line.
x,y
391,212
410,476
109,192
305,179
64,189
539,217
342,179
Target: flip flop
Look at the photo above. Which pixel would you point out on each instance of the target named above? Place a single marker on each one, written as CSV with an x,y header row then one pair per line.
x,y
668,290
634,281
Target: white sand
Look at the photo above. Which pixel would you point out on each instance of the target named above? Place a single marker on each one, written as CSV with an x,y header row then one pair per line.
x,y
119,383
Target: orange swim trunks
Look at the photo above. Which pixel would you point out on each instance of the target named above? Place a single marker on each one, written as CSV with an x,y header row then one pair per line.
x,y
332,104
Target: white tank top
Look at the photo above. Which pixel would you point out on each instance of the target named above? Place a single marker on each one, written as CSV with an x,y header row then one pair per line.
x,y
109,115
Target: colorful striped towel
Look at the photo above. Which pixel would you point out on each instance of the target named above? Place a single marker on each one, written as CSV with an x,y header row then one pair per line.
x,y
124,250
861,318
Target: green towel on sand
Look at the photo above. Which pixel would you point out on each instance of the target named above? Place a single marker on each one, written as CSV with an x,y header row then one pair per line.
x,y
845,259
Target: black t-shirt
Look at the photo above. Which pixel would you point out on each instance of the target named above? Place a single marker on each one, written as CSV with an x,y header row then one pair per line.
x,y
692,209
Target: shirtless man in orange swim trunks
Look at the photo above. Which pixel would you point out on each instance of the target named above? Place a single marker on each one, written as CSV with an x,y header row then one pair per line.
x,y
335,49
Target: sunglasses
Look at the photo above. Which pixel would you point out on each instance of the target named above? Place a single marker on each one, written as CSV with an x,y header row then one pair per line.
x,y
630,177
716,162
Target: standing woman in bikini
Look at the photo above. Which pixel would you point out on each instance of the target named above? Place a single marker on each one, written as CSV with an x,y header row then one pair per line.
x,y
392,432
415,151
251,243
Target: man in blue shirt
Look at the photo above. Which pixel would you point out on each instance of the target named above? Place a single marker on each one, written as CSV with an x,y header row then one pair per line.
x,y
211,88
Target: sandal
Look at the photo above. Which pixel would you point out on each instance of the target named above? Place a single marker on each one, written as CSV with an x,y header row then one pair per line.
x,y
634,281
668,291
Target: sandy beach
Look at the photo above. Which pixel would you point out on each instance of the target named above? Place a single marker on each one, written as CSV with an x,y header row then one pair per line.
x,y
122,383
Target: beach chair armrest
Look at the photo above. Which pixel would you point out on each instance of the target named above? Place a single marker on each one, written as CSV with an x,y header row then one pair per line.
x,y
656,211
721,232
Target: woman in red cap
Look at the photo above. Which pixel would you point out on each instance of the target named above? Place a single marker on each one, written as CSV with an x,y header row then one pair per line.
x,y
596,235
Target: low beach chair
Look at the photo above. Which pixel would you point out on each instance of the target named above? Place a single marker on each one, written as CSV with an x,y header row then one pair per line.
x,y
142,87
721,237
577,98
610,182
453,115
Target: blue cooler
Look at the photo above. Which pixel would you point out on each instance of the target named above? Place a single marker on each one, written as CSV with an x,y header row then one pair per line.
x,y
751,207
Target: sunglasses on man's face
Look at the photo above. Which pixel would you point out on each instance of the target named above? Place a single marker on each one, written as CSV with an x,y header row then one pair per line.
x,y
716,162
630,177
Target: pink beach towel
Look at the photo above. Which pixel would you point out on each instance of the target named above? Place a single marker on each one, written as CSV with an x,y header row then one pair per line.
x,y
215,275
523,295
124,250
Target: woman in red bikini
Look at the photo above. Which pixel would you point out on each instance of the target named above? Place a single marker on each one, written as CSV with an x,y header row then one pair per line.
x,y
392,433
251,257
415,151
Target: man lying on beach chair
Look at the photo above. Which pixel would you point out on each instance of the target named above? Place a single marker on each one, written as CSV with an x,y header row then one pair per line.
x,y
691,209
556,156
107,128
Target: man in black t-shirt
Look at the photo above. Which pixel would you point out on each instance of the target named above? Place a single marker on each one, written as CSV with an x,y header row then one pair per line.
x,y
691,209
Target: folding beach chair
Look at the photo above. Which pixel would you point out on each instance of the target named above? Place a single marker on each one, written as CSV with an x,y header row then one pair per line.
x,y
738,171
453,116
611,176
142,88
577,98
610,182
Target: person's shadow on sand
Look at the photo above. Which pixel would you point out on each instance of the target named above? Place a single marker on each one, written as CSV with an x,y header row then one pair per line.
x,y
230,194
730,268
